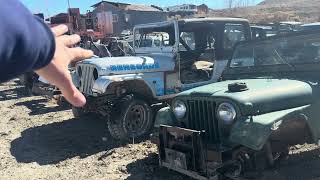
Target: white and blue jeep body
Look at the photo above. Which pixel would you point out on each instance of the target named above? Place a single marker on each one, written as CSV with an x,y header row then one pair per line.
x,y
180,55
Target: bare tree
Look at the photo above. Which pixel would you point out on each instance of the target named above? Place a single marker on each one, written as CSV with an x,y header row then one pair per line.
x,y
230,3
248,3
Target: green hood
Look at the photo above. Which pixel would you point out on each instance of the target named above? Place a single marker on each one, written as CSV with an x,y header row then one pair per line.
x,y
262,96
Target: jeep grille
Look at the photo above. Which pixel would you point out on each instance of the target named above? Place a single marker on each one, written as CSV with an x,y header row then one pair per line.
x,y
86,78
201,116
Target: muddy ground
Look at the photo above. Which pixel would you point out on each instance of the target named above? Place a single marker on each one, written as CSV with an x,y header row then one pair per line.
x,y
39,140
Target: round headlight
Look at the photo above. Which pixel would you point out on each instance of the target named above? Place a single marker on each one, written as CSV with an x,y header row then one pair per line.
x,y
226,112
179,109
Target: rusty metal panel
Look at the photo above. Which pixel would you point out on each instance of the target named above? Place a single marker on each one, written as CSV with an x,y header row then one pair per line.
x,y
105,23
176,159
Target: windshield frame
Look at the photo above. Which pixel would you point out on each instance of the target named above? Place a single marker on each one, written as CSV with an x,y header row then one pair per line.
x,y
162,49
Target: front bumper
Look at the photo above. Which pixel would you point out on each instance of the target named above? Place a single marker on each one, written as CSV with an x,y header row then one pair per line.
x,y
185,151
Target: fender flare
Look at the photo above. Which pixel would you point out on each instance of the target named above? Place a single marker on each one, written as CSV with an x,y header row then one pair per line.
x,y
101,85
165,116
254,132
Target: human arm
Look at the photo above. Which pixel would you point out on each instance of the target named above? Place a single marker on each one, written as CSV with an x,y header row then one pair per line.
x,y
27,44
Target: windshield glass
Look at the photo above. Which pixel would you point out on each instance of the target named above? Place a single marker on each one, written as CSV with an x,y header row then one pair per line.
x,y
188,39
155,36
290,51
233,33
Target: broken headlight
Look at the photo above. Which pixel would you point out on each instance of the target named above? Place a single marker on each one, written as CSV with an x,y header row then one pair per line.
x,y
226,113
179,109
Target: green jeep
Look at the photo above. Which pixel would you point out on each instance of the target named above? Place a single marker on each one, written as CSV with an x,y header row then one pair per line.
x,y
268,99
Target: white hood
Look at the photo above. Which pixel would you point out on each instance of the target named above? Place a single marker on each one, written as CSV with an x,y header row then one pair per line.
x,y
131,64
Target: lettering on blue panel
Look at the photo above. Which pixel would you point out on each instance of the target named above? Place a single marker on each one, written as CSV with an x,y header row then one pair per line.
x,y
139,66
133,67
120,68
129,67
144,66
126,67
151,66
113,68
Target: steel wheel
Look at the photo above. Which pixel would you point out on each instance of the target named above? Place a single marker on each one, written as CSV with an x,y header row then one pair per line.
x,y
135,119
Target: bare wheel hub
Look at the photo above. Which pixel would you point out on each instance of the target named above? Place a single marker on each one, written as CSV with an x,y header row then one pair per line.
x,y
135,120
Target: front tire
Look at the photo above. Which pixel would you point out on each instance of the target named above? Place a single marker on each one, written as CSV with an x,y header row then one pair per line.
x,y
133,119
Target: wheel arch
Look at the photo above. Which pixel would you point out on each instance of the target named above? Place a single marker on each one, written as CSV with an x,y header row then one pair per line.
x,y
254,132
294,130
136,86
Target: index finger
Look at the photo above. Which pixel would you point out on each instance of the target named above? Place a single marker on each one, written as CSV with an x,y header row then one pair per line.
x,y
69,40
59,30
79,54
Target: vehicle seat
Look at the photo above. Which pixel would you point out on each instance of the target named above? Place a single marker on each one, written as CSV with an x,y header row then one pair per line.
x,y
202,65
188,58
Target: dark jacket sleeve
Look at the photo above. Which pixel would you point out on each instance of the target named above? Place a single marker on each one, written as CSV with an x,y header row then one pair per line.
x,y
26,42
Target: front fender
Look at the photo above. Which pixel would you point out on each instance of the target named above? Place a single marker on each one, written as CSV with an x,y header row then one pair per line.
x,y
253,132
155,84
101,85
165,116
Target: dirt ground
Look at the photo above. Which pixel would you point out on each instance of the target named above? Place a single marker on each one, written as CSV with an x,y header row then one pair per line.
x,y
39,140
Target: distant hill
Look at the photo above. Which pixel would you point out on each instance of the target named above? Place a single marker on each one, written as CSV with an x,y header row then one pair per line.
x,y
275,11
273,2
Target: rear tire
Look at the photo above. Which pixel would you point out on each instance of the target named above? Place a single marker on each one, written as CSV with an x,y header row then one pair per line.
x,y
133,119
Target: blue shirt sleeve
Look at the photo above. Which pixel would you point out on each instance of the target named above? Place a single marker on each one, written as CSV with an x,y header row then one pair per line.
x,y
26,42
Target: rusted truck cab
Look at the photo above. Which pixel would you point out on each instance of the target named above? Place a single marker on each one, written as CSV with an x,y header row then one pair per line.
x,y
267,101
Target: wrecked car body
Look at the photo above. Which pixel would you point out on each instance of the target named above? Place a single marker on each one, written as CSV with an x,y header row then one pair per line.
x,y
311,26
267,101
169,57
